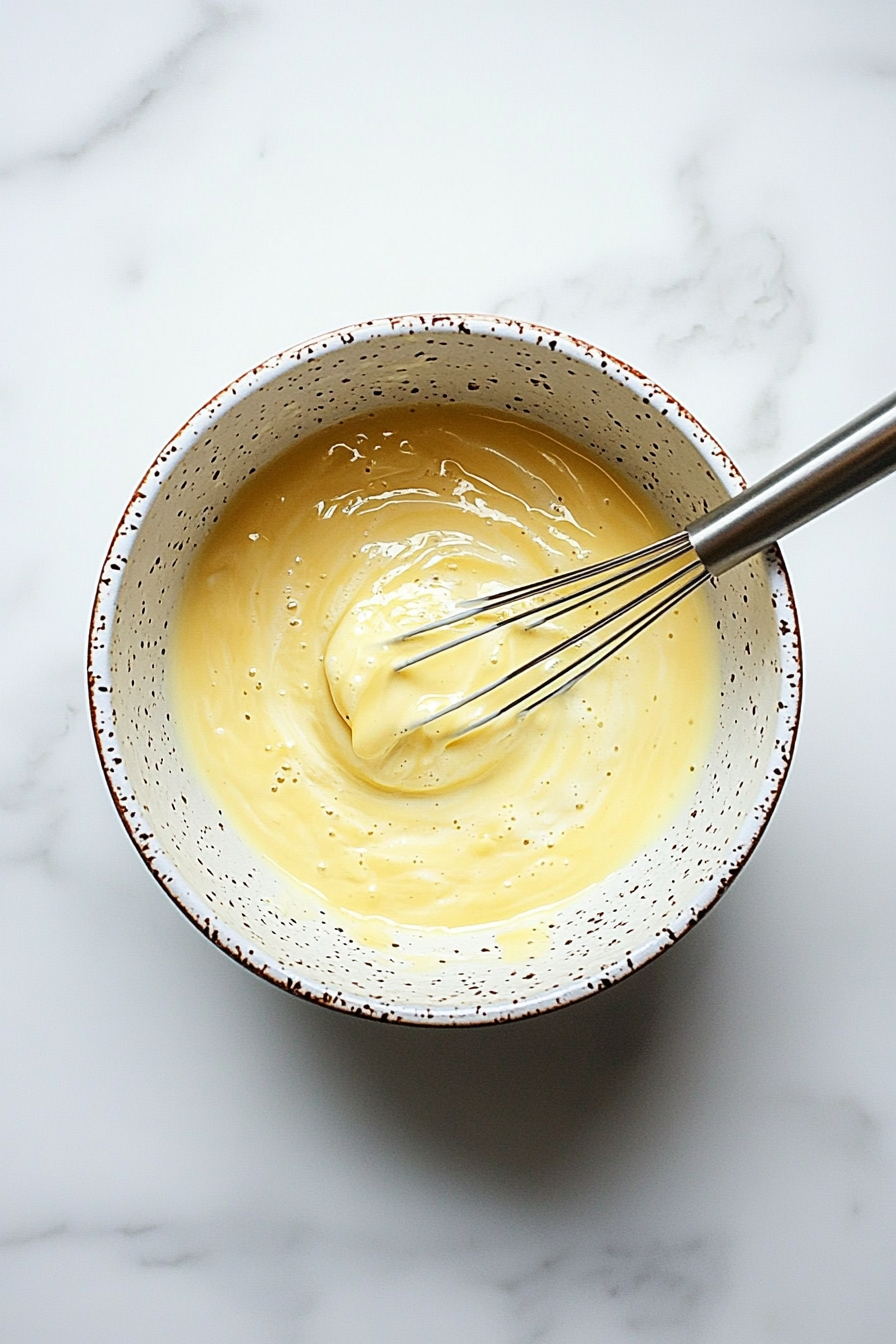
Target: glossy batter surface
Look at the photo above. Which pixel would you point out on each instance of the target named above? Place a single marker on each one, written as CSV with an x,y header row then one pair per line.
x,y
286,693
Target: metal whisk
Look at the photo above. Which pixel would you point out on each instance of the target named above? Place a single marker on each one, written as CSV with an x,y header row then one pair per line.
x,y
845,462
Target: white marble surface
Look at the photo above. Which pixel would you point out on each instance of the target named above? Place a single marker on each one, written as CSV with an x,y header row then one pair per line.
x,y
706,1153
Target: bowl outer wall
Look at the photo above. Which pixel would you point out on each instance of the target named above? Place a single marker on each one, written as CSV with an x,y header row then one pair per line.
x,y
245,950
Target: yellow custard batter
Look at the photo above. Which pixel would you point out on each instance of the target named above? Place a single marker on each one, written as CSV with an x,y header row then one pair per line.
x,y
286,693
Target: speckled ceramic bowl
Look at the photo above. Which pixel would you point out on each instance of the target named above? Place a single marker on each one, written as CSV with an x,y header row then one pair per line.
x,y
236,899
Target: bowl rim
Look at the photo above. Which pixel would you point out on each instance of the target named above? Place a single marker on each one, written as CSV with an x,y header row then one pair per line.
x,y
137,823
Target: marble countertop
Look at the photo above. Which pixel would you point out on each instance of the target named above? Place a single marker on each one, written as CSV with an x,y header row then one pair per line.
x,y
708,1151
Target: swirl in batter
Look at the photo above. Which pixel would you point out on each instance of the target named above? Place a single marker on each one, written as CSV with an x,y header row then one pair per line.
x,y
286,694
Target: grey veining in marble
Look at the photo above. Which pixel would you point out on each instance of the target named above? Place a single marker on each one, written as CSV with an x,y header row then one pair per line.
x,y
172,70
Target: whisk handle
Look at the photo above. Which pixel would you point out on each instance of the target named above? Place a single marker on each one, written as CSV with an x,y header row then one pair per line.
x,y
857,455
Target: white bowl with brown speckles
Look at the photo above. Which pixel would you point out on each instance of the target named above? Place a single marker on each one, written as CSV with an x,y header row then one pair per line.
x,y
232,895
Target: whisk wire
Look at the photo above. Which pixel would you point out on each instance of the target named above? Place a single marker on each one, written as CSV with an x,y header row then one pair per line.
x,y
612,645
607,649
663,553
584,596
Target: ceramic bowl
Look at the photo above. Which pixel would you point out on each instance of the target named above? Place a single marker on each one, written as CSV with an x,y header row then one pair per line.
x,y
233,896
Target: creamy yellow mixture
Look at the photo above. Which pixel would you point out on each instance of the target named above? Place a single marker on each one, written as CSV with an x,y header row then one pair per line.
x,y
287,696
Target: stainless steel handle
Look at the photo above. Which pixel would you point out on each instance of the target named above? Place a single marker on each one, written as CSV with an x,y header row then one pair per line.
x,y
839,466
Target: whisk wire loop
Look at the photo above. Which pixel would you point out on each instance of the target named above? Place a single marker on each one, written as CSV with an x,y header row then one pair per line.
x,y
616,641
618,572
593,657
659,552
855,456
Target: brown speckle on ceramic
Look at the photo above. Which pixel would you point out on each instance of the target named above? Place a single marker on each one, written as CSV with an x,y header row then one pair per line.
x,y
245,907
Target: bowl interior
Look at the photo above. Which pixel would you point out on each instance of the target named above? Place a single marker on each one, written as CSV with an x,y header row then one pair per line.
x,y
247,906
